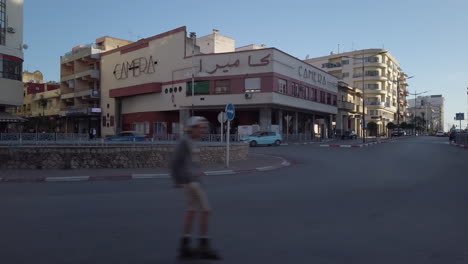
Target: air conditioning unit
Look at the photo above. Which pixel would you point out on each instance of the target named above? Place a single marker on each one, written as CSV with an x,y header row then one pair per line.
x,y
248,96
11,30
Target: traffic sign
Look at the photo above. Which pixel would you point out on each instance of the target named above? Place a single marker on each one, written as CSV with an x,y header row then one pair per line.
x,y
222,117
230,112
460,116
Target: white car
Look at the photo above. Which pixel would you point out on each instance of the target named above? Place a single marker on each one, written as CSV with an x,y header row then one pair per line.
x,y
440,134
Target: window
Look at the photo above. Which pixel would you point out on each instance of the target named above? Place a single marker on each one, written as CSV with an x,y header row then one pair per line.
x,y
322,97
201,87
329,102
314,95
112,121
11,68
295,88
160,128
345,62
307,92
2,22
373,86
334,100
345,74
142,128
282,86
222,86
253,84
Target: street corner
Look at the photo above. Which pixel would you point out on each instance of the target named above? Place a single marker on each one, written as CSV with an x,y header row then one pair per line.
x,y
254,163
459,145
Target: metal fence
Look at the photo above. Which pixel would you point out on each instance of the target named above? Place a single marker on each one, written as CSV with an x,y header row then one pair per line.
x,y
21,139
461,138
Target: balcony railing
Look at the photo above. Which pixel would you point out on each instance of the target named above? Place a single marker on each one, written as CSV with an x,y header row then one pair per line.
x,y
346,105
88,74
380,104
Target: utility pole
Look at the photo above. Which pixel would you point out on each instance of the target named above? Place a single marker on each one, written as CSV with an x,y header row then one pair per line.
x,y
193,37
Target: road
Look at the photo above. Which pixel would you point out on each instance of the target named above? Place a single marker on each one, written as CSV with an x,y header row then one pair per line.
x,y
398,202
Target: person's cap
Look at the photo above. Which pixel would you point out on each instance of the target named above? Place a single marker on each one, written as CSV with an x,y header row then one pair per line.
x,y
196,121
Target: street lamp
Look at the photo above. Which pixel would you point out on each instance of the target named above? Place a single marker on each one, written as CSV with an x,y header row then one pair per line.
x,y
193,37
363,59
414,116
398,98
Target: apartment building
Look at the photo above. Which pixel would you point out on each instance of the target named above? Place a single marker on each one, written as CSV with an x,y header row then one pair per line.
x,y
147,86
433,104
381,76
80,71
349,109
11,61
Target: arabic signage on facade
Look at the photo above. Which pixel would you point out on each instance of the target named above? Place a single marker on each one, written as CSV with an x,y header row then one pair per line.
x,y
250,61
134,68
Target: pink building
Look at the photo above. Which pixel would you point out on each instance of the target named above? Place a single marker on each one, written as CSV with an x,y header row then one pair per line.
x,y
146,86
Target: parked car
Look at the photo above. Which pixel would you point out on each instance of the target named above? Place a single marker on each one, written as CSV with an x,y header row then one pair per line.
x,y
129,136
398,133
440,134
349,135
263,138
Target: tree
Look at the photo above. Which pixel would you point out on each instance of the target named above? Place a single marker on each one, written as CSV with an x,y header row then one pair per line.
x,y
391,125
372,127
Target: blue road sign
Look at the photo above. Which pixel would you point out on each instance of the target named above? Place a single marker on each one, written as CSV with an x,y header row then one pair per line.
x,y
230,112
460,116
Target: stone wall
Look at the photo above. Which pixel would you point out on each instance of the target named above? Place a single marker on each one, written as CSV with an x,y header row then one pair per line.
x,y
85,157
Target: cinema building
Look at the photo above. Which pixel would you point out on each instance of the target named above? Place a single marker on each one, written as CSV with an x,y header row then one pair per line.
x,y
146,86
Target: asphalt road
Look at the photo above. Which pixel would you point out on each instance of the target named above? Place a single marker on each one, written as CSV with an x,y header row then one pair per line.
x,y
398,202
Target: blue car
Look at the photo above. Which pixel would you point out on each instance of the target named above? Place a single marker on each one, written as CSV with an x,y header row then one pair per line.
x,y
129,136
263,138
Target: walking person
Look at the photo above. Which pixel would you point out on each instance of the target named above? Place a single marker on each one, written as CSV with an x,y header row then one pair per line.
x,y
186,174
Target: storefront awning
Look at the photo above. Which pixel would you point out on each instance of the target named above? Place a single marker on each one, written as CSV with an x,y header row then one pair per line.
x,y
9,118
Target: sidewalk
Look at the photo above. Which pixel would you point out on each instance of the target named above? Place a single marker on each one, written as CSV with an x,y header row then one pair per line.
x,y
254,162
356,143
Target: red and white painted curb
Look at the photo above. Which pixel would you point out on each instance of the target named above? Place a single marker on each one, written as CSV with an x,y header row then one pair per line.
x,y
350,146
134,176
459,145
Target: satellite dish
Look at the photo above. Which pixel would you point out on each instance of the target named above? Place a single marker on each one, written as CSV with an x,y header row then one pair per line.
x,y
25,46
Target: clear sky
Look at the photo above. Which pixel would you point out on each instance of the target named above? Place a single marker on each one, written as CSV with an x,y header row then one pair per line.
x,y
428,37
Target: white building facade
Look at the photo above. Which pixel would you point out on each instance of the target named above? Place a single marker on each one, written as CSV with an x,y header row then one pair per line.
x,y
384,82
146,86
11,58
433,105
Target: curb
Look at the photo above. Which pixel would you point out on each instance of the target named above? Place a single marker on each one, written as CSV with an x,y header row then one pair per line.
x,y
350,146
135,176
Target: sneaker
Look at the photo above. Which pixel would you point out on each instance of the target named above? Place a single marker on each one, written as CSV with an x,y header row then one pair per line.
x,y
185,252
206,252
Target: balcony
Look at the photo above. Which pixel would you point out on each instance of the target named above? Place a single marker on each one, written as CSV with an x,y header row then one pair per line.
x,y
85,93
46,95
375,104
375,91
370,77
348,106
91,50
84,75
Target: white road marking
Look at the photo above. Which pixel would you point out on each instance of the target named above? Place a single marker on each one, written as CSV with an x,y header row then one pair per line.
x,y
223,172
70,178
265,168
150,176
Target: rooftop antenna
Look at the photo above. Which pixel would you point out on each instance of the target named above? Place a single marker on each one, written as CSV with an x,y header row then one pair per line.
x,y
352,46
338,48
307,57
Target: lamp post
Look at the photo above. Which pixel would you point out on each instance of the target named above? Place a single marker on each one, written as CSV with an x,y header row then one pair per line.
x,y
363,59
193,37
